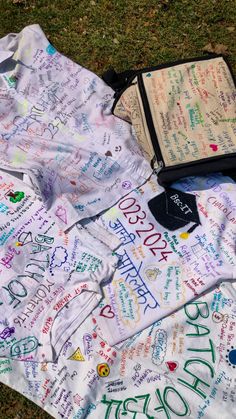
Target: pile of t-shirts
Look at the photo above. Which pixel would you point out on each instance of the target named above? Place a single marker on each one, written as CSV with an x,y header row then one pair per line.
x,y
78,278
73,159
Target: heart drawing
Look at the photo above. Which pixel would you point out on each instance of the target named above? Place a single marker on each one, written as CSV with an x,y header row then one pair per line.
x,y
107,312
172,365
214,147
108,153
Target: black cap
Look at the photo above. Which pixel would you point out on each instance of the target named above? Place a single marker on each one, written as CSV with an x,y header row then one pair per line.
x,y
175,209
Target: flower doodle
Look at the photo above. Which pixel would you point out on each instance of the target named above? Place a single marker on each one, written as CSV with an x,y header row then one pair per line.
x,y
231,357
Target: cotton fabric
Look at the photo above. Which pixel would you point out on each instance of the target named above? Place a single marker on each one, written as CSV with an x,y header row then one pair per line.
x,y
164,265
51,281
181,366
56,127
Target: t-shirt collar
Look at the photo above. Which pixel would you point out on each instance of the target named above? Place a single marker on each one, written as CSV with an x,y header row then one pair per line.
x,y
4,55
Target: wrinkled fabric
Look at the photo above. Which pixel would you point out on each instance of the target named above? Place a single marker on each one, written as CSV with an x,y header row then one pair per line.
x,y
56,127
51,281
60,302
181,366
163,264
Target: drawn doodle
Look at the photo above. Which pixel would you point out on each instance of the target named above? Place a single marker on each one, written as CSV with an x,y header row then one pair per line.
x,y
107,312
126,185
184,235
24,346
108,153
159,347
217,317
77,355
231,357
59,257
152,273
172,365
103,370
50,49
25,238
15,196
61,214
7,332
44,366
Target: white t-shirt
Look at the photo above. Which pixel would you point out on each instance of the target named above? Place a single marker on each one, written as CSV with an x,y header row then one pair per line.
x,y
50,280
56,126
169,259
181,366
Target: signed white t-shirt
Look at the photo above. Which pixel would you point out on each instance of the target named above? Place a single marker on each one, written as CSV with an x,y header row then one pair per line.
x,y
56,126
50,280
180,367
170,255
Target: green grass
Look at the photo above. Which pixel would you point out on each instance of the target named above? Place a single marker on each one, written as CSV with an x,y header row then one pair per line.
x,y
120,34
15,406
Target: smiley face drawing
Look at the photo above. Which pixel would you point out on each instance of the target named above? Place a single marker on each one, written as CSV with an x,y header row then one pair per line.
x,y
103,370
